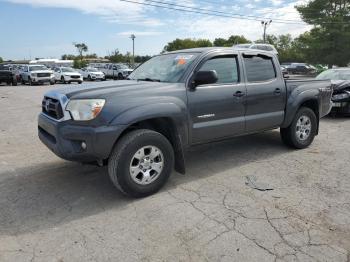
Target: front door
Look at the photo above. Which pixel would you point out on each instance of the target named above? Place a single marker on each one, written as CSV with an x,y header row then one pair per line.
x,y
217,110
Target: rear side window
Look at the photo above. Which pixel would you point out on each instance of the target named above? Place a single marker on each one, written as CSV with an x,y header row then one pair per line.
x,y
259,68
225,67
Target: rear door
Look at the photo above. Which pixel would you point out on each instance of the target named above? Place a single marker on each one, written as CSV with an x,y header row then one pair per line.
x,y
266,92
217,110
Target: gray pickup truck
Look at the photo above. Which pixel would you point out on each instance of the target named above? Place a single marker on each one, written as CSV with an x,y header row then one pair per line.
x,y
141,127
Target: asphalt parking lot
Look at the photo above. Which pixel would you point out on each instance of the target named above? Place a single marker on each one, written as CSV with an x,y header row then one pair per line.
x,y
54,210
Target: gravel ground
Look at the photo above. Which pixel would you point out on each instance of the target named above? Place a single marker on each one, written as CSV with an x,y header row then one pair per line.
x,y
54,210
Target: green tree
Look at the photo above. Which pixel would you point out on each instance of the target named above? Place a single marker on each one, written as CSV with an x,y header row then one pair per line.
x,y
328,42
68,57
81,48
179,44
232,40
79,63
1,60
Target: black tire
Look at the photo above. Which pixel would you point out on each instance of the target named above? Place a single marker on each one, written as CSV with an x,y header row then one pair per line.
x,y
14,83
89,77
123,153
80,82
52,82
289,135
120,76
63,80
30,81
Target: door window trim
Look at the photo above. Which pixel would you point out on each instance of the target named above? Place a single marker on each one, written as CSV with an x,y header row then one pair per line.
x,y
247,55
213,56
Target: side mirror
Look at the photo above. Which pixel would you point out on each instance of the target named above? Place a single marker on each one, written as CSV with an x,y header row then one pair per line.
x,y
285,74
205,78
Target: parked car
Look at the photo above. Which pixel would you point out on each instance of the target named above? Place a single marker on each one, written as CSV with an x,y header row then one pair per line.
x,y
116,71
36,74
91,73
340,78
301,69
264,47
7,76
143,126
67,75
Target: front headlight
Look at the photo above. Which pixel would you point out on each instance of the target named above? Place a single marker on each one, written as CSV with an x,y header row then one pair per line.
x,y
33,74
85,109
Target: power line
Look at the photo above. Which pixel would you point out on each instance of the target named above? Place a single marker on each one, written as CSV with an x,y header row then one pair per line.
x,y
221,12
202,11
211,13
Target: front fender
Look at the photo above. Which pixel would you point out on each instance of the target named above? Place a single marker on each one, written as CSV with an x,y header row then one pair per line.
x,y
296,99
149,111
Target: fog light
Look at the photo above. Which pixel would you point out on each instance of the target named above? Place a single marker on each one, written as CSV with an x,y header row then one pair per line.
x,y
83,145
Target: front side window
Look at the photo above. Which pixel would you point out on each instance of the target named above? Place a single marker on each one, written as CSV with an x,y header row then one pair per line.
x,y
225,67
259,68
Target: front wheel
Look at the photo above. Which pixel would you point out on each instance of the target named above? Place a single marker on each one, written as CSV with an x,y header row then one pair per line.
x,y
30,81
141,163
63,80
302,131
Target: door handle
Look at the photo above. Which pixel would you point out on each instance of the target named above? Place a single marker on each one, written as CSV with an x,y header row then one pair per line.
x,y
238,94
277,91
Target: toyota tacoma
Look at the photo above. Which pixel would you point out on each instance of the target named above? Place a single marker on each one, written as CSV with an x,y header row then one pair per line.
x,y
142,127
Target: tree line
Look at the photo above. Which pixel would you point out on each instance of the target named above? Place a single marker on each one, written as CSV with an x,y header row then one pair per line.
x,y
327,43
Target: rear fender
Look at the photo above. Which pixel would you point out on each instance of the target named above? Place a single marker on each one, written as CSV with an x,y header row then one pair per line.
x,y
296,99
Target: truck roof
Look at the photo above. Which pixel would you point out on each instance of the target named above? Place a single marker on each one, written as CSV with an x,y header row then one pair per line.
x,y
212,49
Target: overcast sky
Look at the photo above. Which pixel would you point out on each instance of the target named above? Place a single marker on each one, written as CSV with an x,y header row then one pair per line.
x,y
47,28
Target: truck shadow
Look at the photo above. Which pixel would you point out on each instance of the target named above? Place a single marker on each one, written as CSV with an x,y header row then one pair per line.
x,y
49,195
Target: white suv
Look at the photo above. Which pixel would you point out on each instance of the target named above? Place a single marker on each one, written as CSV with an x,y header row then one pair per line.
x,y
36,74
67,75
91,73
264,47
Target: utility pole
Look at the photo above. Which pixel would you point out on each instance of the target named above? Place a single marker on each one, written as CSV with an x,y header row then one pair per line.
x,y
265,24
133,49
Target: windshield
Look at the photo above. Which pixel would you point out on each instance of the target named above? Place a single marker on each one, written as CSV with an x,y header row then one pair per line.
x,y
67,69
37,68
334,75
94,70
164,68
123,67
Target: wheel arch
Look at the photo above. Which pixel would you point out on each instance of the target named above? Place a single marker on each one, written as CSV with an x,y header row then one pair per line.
x,y
309,99
168,127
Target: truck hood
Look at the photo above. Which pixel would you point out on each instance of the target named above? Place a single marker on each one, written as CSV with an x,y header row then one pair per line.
x,y
71,73
109,89
41,71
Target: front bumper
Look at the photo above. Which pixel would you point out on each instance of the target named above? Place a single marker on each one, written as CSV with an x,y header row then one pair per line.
x,y
341,107
42,79
97,77
65,139
70,79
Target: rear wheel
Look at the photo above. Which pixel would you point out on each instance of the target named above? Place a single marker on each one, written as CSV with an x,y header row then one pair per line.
x,y
14,82
302,131
120,76
89,77
63,80
141,163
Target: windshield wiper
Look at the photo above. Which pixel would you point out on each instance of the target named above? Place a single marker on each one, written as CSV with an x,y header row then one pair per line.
x,y
148,79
